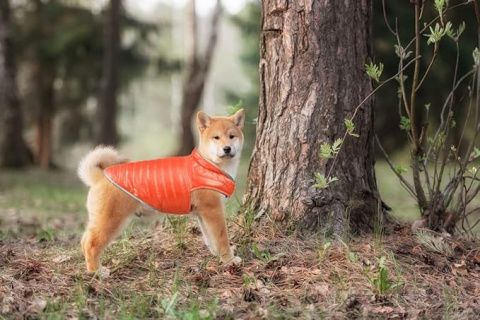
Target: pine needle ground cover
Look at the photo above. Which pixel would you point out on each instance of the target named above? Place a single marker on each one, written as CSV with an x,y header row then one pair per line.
x,y
161,269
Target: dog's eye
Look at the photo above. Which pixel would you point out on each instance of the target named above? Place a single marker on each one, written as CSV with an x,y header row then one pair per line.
x,y
216,137
232,136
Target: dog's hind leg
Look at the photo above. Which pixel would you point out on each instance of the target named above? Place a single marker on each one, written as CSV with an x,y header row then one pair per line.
x,y
104,224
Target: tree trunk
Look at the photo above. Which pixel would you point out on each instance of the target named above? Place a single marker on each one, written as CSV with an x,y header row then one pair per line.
x,y
13,149
197,72
44,117
312,78
108,100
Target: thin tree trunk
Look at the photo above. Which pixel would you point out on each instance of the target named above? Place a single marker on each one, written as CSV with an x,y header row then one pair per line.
x,y
197,72
108,101
44,117
13,149
312,78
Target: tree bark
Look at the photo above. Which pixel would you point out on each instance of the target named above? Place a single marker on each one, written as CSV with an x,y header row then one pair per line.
x,y
108,100
197,72
13,149
312,78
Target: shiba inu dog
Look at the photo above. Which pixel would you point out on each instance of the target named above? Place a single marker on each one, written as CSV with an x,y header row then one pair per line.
x,y
119,188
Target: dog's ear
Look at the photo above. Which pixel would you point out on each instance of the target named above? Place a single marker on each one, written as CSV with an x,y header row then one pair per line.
x,y
239,118
203,121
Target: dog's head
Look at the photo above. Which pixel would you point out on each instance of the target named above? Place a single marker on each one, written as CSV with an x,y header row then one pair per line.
x,y
221,138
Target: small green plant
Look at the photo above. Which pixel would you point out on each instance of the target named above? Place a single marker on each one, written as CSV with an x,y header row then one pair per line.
x,y
46,235
374,71
248,281
380,281
322,182
323,253
350,128
264,255
405,124
168,304
328,151
179,226
441,183
400,170
436,34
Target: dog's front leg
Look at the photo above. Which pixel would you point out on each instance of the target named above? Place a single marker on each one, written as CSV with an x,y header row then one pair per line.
x,y
206,238
209,208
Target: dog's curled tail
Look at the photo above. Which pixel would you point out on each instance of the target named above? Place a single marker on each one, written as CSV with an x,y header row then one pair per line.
x,y
90,168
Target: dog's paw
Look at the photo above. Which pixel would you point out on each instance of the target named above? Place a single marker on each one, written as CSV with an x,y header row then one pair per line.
x,y
233,266
235,261
103,273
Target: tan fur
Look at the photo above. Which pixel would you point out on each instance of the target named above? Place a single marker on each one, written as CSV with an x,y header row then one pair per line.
x,y
90,169
109,207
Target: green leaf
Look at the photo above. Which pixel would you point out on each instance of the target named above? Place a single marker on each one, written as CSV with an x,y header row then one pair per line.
x,y
476,57
325,151
382,261
400,170
476,153
405,123
349,124
374,71
401,53
336,145
439,5
332,179
472,171
437,33
350,128
323,182
460,29
448,30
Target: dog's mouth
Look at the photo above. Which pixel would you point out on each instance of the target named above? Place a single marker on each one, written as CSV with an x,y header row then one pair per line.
x,y
227,156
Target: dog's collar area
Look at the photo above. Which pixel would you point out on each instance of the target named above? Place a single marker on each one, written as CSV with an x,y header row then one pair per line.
x,y
206,163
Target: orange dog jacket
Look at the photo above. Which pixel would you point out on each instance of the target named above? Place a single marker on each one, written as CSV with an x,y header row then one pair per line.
x,y
166,184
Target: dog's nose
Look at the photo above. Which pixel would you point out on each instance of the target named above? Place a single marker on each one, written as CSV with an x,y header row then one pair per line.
x,y
227,149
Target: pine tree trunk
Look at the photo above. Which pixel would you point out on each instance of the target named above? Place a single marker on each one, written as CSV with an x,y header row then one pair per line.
x,y
13,149
312,78
108,99
197,72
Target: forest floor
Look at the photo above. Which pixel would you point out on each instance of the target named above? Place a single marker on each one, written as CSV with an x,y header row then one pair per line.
x,y
162,269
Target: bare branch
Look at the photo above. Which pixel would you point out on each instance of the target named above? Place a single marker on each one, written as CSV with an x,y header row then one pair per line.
x,y
404,182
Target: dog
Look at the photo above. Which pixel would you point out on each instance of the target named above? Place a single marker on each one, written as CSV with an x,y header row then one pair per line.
x,y
117,189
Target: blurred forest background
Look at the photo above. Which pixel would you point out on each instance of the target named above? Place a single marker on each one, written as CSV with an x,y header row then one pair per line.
x,y
68,68
132,73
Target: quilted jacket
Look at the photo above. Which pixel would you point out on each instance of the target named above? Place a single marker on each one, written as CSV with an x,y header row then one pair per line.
x,y
166,184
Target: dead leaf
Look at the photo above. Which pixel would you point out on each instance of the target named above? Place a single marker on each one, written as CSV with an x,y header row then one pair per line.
x,y
37,305
322,289
384,310
62,258
366,248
